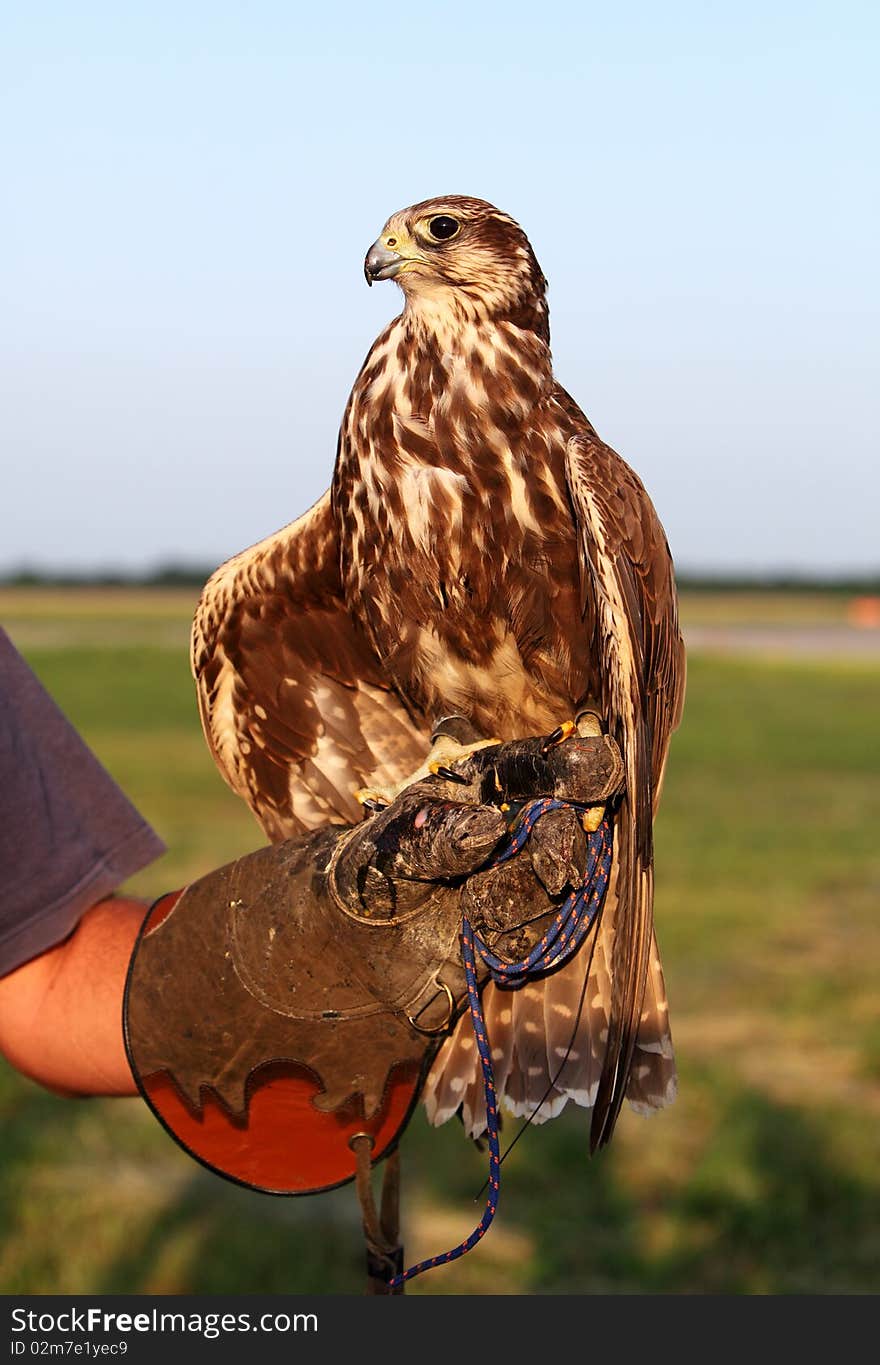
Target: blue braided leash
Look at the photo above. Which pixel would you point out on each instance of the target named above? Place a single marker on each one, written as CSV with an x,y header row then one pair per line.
x,y
563,938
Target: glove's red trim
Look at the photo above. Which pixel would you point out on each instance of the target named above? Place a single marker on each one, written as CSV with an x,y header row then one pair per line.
x,y
284,1145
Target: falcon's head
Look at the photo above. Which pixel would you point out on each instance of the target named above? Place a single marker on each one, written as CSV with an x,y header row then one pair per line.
x,y
459,249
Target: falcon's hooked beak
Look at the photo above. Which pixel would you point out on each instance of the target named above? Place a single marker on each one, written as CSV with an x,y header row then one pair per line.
x,y
381,264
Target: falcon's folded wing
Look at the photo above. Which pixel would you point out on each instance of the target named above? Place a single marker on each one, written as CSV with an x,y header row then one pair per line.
x,y
627,572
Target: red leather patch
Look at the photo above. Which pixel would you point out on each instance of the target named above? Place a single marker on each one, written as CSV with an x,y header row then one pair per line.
x,y
285,1145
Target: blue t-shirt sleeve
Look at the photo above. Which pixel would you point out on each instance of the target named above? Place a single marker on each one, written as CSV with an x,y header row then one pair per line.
x,y
68,834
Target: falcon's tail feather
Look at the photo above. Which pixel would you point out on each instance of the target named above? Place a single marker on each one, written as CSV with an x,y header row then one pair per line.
x,y
541,1058
628,919
653,1082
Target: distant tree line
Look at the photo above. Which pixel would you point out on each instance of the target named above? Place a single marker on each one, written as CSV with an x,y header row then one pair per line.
x,y
174,575
163,576
847,586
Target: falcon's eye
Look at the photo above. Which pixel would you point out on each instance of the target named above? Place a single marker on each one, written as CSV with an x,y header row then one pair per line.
x,y
443,227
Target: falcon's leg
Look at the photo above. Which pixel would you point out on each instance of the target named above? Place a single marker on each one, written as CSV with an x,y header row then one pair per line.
x,y
446,751
452,740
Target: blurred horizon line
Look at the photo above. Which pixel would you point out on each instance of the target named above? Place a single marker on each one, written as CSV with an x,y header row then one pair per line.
x,y
172,572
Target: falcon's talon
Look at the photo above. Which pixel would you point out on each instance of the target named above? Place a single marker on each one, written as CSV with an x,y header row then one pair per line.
x,y
440,770
559,736
371,800
592,818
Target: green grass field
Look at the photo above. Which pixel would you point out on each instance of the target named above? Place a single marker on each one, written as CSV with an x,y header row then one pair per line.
x,y
763,1177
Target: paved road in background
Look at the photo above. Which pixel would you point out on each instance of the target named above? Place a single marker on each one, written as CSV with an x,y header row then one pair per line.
x,y
801,642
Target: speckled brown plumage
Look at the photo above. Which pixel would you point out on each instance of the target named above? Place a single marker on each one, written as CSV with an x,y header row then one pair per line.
x,y
481,551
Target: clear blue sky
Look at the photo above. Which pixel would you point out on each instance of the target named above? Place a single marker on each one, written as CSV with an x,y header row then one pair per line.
x,y
189,190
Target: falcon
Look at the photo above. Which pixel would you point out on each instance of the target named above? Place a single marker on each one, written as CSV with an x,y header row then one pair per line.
x,y
481,553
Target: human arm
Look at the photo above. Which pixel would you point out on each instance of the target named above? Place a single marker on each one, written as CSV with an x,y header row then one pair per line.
x,y
60,1013
69,837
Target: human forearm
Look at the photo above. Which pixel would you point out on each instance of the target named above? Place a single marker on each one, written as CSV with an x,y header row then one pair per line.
x,y
60,1013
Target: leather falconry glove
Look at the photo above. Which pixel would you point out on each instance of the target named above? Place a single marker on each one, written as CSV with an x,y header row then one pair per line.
x,y
290,1003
